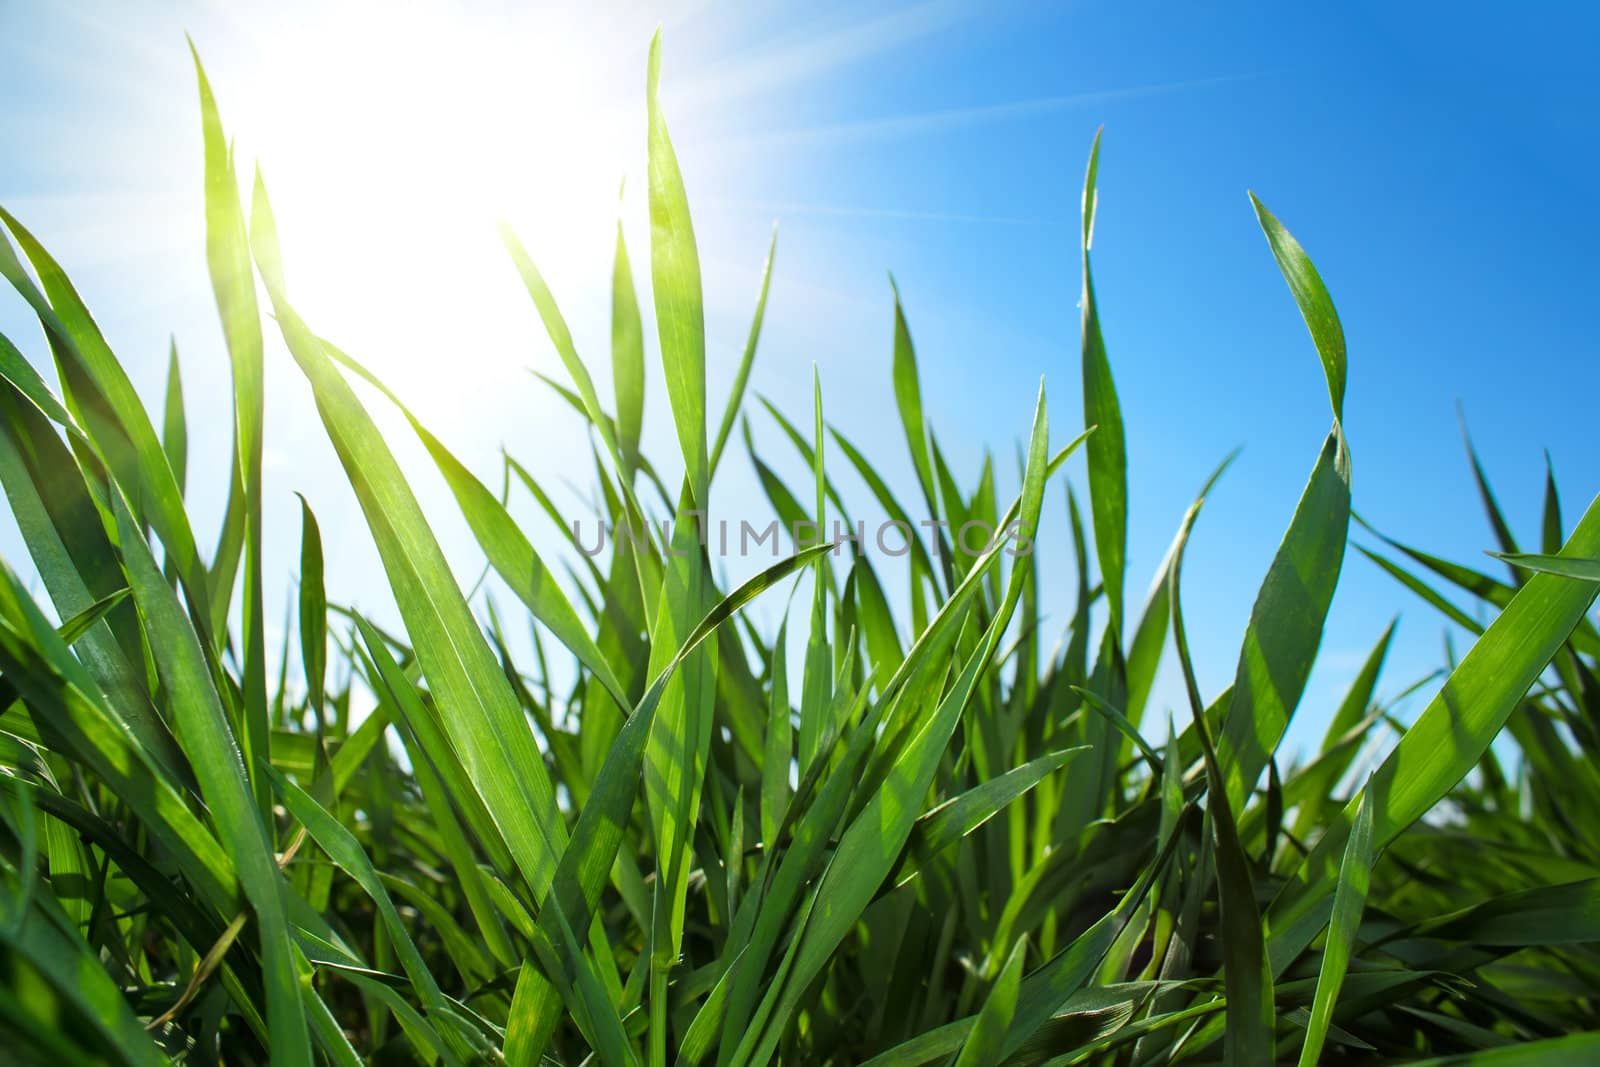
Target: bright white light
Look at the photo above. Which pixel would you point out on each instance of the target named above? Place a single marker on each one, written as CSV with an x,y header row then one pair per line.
x,y
393,140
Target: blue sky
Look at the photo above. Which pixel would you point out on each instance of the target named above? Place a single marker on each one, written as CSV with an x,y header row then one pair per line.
x,y
1436,161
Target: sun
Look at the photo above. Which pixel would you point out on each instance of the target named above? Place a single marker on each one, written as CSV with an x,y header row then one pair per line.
x,y
393,143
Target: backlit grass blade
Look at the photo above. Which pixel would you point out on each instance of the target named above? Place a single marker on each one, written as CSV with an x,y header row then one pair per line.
x,y
507,547
519,1049
778,746
479,709
742,376
233,282
313,613
1107,451
675,273
174,426
816,692
561,337
1311,297
959,816
678,751
627,355
1355,879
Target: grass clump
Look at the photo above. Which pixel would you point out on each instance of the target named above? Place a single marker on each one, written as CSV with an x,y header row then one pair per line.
x,y
951,843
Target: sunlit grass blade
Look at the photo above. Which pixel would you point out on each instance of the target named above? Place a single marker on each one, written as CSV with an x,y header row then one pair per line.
x,y
1150,635
908,398
507,547
1286,621
627,355
1107,451
233,283
1449,736
1491,507
174,424
1550,523
747,359
1355,879
1585,570
675,272
479,709
313,613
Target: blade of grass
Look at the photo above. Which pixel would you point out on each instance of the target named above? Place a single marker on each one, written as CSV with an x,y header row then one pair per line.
x,y
675,273
1107,452
1287,618
1355,879
742,376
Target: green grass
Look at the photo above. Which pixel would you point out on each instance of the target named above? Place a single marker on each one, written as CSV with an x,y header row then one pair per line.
x,y
938,838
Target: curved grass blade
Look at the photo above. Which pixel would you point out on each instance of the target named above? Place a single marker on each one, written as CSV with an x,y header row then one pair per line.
x,y
1448,738
1150,636
1287,618
102,399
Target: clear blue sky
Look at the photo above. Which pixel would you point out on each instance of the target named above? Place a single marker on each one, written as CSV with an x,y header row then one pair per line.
x,y
1437,162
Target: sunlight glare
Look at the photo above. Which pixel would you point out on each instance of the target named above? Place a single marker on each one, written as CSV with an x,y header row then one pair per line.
x,y
398,142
